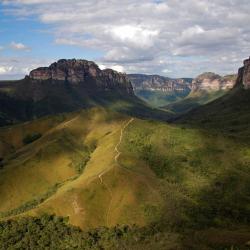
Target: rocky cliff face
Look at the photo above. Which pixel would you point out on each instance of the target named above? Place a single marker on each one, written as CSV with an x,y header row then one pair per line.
x,y
244,75
64,86
159,83
84,73
212,82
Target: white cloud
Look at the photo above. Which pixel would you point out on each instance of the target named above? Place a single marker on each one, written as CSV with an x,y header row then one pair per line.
x,y
135,35
19,46
5,69
184,37
16,68
115,67
118,68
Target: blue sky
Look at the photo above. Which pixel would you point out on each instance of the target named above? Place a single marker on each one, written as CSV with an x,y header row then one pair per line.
x,y
172,38
38,37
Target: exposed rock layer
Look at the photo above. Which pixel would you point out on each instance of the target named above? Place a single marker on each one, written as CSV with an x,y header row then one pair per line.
x,y
64,86
212,82
159,83
85,73
244,75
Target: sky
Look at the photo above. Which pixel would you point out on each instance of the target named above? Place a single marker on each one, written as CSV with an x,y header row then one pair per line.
x,y
172,38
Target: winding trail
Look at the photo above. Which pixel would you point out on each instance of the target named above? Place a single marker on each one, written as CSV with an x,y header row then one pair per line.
x,y
118,153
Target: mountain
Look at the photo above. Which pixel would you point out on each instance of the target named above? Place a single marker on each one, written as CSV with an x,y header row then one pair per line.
x,y
65,86
230,113
159,90
209,81
204,89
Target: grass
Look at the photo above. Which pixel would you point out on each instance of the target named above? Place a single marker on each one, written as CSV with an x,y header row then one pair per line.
x,y
160,98
183,183
228,115
193,100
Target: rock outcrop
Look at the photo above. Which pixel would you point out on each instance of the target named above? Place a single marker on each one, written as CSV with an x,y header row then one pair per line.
x,y
85,73
64,86
159,83
212,82
244,75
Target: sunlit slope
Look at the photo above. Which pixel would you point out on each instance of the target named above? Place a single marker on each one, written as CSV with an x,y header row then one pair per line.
x,y
37,169
44,176
136,171
106,193
104,168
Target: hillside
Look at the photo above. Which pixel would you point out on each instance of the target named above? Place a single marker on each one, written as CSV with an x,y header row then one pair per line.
x,y
101,168
204,89
228,114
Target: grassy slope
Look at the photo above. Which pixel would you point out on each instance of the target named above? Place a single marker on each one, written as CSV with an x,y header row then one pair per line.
x,y
228,114
18,106
180,179
193,100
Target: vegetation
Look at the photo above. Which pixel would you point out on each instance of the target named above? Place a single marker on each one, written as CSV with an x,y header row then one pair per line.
x,y
160,98
31,138
228,115
51,232
193,100
204,179
184,187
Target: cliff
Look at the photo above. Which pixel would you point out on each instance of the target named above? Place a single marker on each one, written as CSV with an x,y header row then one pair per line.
x,y
159,83
64,86
212,82
84,73
243,78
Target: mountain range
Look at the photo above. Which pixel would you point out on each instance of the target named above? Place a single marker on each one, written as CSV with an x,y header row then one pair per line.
x,y
160,91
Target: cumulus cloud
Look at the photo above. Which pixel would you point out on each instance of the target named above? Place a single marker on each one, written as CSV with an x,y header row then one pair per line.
x,y
180,38
5,70
16,68
19,46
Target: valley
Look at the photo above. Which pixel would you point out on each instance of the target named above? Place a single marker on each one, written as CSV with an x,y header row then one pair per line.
x,y
171,182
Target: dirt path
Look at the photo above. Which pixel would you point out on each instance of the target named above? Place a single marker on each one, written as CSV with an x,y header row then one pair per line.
x,y
116,148
118,153
120,140
77,208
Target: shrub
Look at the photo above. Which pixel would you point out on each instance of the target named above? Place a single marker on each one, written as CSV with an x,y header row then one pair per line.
x,y
31,138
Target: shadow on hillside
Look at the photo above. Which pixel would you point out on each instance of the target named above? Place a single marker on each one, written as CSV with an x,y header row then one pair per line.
x,y
221,218
214,215
228,115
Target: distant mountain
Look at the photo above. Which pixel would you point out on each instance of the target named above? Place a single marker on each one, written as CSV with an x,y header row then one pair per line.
x,y
159,90
160,83
230,113
209,81
65,86
204,89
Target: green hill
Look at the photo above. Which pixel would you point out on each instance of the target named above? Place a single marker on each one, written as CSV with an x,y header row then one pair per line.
x,y
101,168
228,114
193,100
